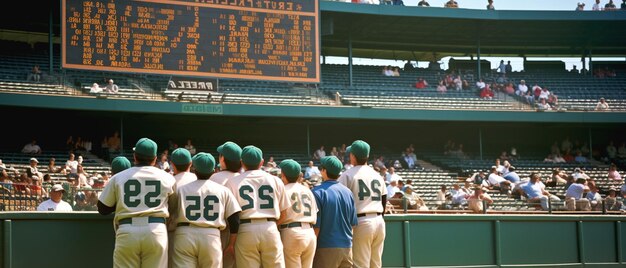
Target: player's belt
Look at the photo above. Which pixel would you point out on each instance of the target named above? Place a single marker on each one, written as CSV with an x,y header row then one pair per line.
x,y
251,220
368,214
150,220
293,224
188,224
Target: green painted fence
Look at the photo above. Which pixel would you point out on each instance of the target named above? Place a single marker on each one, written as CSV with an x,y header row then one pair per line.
x,y
32,239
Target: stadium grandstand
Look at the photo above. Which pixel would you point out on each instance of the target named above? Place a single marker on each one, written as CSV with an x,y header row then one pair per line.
x,y
443,131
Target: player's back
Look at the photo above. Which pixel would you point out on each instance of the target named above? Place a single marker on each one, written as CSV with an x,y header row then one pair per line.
x,y
259,194
184,178
303,207
204,203
367,187
223,176
139,192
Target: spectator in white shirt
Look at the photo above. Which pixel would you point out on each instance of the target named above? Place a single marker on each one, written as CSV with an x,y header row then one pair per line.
x,y
190,147
480,84
111,87
602,105
574,196
392,175
55,203
495,180
522,88
596,6
31,148
319,153
71,166
95,88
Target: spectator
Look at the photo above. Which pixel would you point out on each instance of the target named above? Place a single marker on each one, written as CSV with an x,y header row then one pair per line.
x,y
480,84
114,144
611,202
408,159
459,197
270,164
611,151
596,6
602,105
486,93
414,200
392,189
574,69
559,177
342,152
32,171
163,163
574,196
479,178
579,173
423,3
95,88
475,202
379,163
408,66
392,175
498,182
502,68
580,7
31,148
441,88
83,178
55,203
580,158
509,89
512,175
396,70
621,151
311,172
595,200
458,83
543,105
35,74
442,198
451,4
387,71
491,7
623,6
421,83
319,153
190,147
536,192
334,151
111,87
610,6
614,174
52,167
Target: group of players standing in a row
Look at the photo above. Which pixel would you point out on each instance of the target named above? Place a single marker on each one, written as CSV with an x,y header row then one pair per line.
x,y
242,216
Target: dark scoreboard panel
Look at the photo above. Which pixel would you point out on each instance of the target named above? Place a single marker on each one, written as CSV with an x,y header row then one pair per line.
x,y
254,39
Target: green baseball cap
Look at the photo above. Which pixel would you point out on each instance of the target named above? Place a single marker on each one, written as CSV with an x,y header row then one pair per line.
x,y
119,164
146,147
251,155
360,149
204,163
290,168
230,150
331,164
181,156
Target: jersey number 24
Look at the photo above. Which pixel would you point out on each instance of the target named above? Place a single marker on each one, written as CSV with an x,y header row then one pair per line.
x,y
364,191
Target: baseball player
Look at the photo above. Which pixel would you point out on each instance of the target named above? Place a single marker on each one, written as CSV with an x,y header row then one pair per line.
x,y
181,160
202,209
230,161
335,219
370,197
119,164
296,225
262,199
139,197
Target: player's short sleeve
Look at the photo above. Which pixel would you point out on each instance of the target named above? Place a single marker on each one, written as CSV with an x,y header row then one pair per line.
x,y
231,206
108,197
283,201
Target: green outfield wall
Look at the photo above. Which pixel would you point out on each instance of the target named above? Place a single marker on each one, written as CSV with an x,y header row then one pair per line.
x,y
87,240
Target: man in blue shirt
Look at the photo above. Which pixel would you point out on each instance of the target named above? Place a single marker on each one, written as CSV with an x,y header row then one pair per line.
x,y
335,218
535,190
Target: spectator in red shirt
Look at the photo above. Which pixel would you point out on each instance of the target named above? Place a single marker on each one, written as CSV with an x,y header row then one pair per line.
x,y
421,83
509,89
486,93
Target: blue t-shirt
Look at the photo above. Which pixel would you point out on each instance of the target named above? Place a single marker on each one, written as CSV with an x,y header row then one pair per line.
x,y
336,215
533,190
512,177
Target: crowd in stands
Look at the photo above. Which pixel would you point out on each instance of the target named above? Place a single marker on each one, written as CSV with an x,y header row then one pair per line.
x,y
597,6
110,87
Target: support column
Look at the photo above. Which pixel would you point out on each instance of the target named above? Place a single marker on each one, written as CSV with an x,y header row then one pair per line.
x,y
122,135
308,140
480,142
50,46
350,61
479,71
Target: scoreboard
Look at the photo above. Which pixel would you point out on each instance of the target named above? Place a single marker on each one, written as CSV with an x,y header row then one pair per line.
x,y
250,39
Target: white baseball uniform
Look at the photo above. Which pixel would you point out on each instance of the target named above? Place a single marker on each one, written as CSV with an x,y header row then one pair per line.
x,y
369,235
298,237
221,178
201,210
140,197
262,198
181,178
